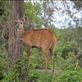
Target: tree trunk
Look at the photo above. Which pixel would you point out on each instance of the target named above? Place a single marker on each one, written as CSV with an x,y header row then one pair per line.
x,y
12,50
14,44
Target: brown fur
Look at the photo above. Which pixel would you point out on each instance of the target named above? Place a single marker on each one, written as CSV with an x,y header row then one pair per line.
x,y
40,38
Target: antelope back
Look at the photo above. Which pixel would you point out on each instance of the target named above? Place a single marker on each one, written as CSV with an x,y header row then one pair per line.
x,y
43,38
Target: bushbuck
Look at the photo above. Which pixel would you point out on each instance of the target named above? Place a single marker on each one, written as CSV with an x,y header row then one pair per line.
x,y
38,38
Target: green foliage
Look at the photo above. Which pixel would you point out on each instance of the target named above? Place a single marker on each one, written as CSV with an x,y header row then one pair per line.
x,y
65,76
33,12
37,59
66,70
67,67
16,73
33,76
4,9
10,76
66,43
71,76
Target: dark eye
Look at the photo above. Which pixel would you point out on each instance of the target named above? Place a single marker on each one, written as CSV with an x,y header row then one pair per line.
x,y
21,23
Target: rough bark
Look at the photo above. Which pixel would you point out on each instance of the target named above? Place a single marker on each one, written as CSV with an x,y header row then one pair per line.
x,y
12,50
14,44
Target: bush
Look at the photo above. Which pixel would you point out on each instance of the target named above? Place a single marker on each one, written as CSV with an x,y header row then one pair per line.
x,y
71,76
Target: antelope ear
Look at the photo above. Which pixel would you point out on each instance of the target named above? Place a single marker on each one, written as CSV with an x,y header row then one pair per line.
x,y
16,18
25,19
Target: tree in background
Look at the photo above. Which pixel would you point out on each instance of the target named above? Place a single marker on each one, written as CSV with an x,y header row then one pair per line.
x,y
33,12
